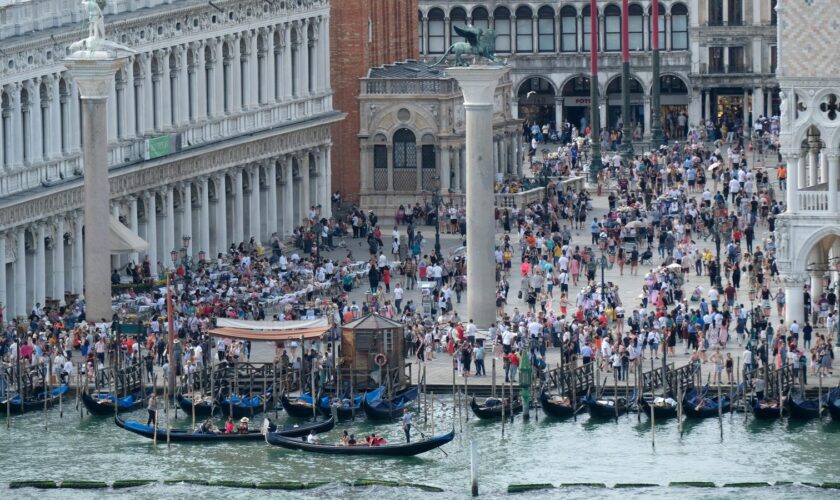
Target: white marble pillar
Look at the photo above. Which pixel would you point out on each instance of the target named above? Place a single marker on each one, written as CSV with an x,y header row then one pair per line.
x,y
235,88
823,175
133,225
813,164
78,265
93,76
128,97
147,99
151,229
15,132
58,261
166,85
20,274
204,217
253,72
221,214
478,84
4,302
271,197
55,118
802,181
200,78
287,62
36,137
459,153
327,201
325,54
792,191
288,198
168,226
758,102
254,221
182,109
40,264
365,168
113,116
269,71
186,223
238,209
305,200
115,213
217,81
303,59
445,168
833,160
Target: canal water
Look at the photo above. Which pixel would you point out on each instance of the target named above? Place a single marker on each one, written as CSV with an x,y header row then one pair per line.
x,y
539,451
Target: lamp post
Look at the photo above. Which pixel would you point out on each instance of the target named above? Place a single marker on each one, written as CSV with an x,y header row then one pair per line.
x,y
436,202
603,283
595,165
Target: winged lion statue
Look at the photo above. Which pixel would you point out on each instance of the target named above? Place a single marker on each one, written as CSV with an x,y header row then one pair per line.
x,y
480,42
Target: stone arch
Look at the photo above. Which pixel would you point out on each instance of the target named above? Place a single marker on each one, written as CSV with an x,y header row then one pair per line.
x,y
536,96
379,125
823,236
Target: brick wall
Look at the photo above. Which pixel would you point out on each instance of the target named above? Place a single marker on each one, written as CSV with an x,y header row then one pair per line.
x,y
393,26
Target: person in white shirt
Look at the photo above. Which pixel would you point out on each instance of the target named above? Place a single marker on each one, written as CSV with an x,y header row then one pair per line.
x,y
398,296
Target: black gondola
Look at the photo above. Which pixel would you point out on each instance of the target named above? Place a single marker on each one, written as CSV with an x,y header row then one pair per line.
x,y
204,408
388,450
102,404
300,407
833,404
805,409
380,409
345,408
35,403
189,436
766,409
556,406
697,405
243,406
492,407
607,407
662,408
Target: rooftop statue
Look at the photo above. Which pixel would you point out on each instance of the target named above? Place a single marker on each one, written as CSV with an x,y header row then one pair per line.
x,y
480,42
95,41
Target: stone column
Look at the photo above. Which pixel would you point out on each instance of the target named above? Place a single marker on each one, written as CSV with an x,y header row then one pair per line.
x,y
288,198
236,75
365,167
833,159
78,266
253,83
327,211
168,227
813,163
133,225
129,107
802,181
55,118
305,200
200,79
325,42
186,223
794,300
255,219
287,62
303,59
792,191
20,274
478,84
445,169
166,84
94,73
115,213
58,261
758,100
221,214
204,217
271,215
4,303
238,209
823,175
457,168
35,136
151,229
40,264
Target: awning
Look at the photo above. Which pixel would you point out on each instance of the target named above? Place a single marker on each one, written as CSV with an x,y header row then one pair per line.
x,y
124,240
270,330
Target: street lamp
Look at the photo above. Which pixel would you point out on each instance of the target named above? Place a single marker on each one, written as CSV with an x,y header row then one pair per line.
x,y
603,283
436,201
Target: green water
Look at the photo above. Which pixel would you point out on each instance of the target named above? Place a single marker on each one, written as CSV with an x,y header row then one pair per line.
x,y
543,451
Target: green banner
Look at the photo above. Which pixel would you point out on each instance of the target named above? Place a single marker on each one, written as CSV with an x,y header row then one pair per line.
x,y
159,146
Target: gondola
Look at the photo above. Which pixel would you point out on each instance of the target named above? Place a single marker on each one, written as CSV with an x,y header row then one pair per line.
x,y
35,403
243,406
379,409
805,409
662,408
766,409
102,403
697,405
607,407
204,408
300,407
556,406
833,404
388,450
345,408
492,408
189,436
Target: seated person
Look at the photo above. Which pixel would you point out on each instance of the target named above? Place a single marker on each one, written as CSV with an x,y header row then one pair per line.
x,y
312,438
208,427
345,438
243,426
229,426
352,440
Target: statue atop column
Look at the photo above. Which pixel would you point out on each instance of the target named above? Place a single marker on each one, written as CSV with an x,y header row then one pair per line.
x,y
480,43
96,42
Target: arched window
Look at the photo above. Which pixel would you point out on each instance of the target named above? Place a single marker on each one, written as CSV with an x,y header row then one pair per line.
x,y
587,29
612,28
524,30
545,28
568,29
420,44
501,23
661,27
457,17
679,27
405,149
480,18
635,28
437,35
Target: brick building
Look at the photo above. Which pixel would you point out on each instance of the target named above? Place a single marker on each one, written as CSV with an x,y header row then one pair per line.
x,y
363,34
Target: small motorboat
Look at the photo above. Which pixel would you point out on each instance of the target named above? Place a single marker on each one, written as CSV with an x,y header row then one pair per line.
x,y
387,450
102,403
556,406
495,407
199,436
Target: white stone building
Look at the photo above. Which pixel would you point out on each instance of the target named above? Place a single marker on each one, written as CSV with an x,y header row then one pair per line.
x,y
809,76
219,130
548,46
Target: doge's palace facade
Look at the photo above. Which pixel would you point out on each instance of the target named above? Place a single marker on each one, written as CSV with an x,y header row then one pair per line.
x,y
218,129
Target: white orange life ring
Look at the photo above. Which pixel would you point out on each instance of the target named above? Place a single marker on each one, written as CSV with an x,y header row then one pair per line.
x,y
380,360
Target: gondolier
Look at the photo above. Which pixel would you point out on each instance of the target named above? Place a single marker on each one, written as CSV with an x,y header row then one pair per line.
x,y
152,407
406,425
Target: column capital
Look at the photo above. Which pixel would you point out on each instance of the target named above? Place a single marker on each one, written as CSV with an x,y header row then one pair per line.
x,y
831,153
793,280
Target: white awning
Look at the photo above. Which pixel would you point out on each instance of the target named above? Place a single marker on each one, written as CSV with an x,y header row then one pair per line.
x,y
124,240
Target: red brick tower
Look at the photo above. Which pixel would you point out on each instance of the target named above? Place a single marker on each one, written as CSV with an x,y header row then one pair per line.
x,y
363,34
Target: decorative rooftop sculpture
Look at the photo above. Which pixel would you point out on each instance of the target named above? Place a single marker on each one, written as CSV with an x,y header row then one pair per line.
x,y
479,43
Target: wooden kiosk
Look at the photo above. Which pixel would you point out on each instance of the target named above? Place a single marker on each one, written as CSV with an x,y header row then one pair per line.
x,y
372,354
